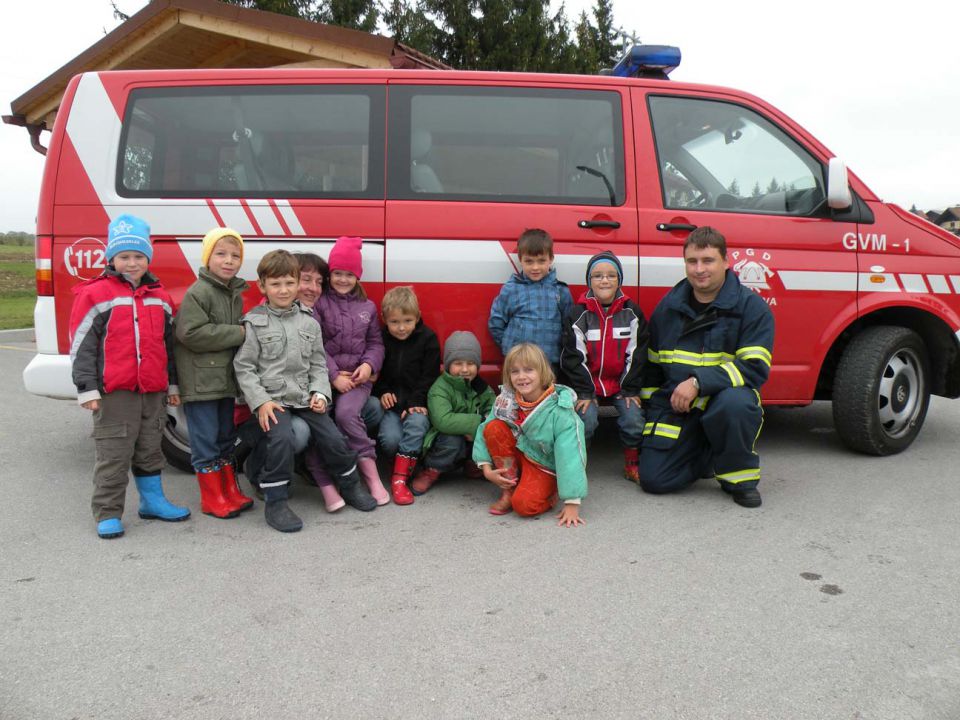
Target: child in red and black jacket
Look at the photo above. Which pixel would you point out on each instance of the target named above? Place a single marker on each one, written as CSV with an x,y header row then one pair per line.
x,y
121,346
604,353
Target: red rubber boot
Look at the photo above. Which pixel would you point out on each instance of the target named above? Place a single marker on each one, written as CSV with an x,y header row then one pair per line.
x,y
402,470
212,501
231,491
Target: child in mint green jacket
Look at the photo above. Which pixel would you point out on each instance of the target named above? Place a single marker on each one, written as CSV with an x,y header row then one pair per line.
x,y
532,445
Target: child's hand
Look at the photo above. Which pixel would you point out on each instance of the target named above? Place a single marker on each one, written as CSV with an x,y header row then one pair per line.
x,y
92,405
318,403
570,516
343,383
627,399
418,410
267,412
388,400
582,405
173,400
362,374
498,477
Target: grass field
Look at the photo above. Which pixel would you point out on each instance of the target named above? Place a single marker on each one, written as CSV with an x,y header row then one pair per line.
x,y
17,286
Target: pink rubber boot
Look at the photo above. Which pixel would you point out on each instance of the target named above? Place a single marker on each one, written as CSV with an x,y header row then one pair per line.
x,y
368,469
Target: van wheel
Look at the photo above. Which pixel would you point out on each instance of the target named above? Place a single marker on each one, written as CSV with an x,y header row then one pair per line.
x,y
882,390
176,441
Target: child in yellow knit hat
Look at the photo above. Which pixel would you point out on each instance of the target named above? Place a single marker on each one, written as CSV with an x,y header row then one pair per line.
x,y
208,332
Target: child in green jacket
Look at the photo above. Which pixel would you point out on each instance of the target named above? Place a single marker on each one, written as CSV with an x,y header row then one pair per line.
x,y
208,332
532,445
457,403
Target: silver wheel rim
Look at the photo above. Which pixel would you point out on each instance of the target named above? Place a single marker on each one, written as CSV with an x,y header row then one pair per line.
x,y
900,394
175,431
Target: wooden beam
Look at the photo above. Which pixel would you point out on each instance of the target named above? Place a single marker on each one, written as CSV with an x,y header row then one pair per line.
x,y
318,63
143,40
348,56
228,52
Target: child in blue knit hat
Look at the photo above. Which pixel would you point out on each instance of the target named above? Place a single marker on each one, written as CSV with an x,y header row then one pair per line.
x,y
121,346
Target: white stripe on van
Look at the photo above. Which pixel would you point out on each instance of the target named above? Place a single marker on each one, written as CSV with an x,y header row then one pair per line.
x,y
913,283
94,130
290,217
266,218
938,284
818,280
888,284
254,250
234,216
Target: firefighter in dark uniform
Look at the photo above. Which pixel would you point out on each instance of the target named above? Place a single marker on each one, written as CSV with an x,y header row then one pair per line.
x,y
710,351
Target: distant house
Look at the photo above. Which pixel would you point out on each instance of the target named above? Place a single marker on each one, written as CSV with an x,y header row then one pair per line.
x,y
170,34
949,220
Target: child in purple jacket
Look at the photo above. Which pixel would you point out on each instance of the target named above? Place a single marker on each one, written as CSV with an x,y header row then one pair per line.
x,y
354,346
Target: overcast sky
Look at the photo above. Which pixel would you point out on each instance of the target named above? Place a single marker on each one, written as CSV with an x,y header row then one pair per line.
x,y
878,86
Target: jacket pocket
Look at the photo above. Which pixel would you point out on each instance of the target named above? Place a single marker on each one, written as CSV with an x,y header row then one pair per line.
x,y
273,386
211,374
271,344
307,340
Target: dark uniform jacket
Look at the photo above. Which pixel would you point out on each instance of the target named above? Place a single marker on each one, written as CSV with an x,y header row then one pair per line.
x,y
730,344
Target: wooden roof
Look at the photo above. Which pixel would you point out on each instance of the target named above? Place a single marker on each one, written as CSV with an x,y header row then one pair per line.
x,y
170,34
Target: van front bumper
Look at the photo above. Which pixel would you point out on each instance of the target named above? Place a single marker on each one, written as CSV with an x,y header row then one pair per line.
x,y
50,376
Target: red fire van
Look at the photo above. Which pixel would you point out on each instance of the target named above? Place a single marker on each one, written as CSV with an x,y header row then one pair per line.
x,y
440,171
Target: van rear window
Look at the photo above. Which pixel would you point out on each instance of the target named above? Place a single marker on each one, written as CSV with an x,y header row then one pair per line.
x,y
488,144
322,141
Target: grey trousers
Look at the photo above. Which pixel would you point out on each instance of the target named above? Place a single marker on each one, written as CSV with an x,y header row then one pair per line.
x,y
126,431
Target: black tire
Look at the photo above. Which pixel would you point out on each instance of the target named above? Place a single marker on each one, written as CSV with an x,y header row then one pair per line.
x,y
882,390
176,441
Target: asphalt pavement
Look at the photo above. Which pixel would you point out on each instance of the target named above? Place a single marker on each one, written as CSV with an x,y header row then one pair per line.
x,y
838,598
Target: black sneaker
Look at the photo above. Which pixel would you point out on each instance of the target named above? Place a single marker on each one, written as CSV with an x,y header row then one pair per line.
x,y
280,517
746,497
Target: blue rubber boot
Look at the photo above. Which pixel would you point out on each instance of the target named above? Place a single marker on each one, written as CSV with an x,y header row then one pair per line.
x,y
110,528
153,504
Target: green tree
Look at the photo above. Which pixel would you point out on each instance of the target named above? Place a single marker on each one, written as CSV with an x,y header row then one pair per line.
x,y
605,35
756,192
734,188
773,186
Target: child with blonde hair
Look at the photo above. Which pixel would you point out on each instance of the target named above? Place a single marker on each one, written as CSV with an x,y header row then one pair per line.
x,y
410,365
532,445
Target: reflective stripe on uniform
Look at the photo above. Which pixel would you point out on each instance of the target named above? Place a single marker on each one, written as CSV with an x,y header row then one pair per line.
x,y
647,392
685,357
739,476
755,352
736,379
662,429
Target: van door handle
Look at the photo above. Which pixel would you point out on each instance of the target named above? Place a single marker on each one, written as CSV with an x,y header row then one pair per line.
x,y
667,227
598,223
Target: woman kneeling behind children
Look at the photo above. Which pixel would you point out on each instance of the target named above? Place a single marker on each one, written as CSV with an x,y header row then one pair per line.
x,y
532,445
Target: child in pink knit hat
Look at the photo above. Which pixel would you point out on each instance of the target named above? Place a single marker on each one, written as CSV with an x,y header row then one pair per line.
x,y
354,345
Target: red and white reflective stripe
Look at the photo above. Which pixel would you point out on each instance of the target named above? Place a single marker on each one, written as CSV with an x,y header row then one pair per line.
x,y
84,327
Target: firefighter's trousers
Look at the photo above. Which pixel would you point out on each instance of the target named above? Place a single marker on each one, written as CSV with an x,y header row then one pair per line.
x,y
679,448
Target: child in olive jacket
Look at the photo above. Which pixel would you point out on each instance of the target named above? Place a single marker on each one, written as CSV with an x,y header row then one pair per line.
x,y
457,403
208,334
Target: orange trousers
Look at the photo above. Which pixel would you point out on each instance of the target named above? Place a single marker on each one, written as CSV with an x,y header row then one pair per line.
x,y
536,490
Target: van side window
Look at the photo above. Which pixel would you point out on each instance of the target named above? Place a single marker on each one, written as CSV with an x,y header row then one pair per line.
x,y
721,156
529,145
321,141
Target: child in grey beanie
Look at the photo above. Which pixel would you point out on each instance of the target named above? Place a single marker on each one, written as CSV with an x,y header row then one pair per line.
x,y
457,403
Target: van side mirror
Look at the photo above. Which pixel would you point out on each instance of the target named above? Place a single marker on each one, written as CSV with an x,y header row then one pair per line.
x,y
838,187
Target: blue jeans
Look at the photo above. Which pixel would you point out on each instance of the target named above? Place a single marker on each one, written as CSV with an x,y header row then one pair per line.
x,y
212,432
629,421
402,436
446,451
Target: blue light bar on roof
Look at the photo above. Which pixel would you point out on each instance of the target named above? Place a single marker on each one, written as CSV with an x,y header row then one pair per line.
x,y
648,61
